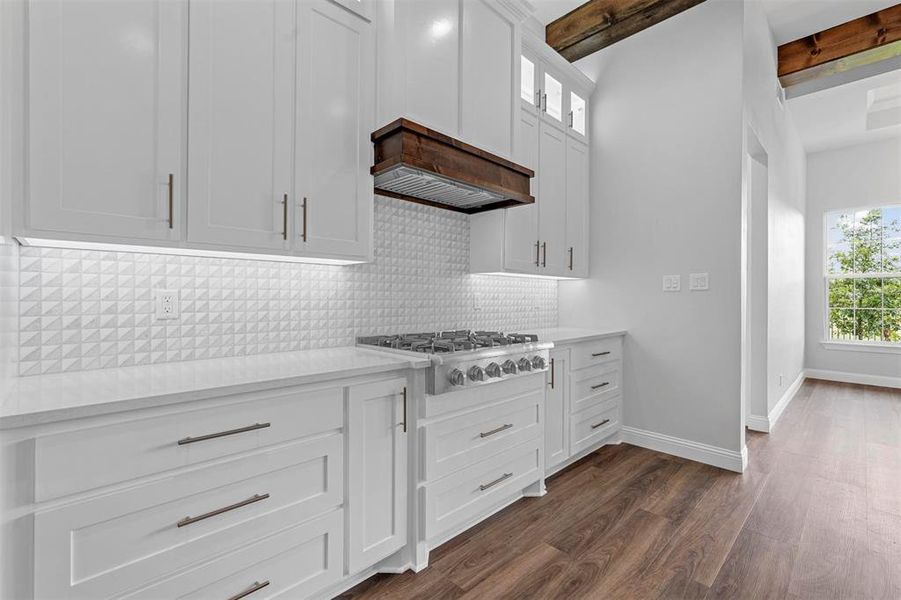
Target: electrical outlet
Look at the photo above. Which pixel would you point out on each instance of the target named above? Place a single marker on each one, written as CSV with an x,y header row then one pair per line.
x,y
166,305
672,283
698,282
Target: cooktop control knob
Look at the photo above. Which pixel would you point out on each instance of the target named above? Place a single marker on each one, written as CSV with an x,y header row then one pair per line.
x,y
538,363
476,373
509,367
525,364
493,370
455,377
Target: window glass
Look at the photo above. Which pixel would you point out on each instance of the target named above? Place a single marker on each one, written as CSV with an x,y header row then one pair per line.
x,y
863,274
577,111
527,85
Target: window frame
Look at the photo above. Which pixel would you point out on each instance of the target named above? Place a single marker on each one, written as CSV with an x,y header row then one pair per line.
x,y
838,344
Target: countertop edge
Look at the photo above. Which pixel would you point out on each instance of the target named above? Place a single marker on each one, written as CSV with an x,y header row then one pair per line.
x,y
576,337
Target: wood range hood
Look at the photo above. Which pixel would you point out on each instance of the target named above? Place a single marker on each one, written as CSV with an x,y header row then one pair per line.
x,y
415,163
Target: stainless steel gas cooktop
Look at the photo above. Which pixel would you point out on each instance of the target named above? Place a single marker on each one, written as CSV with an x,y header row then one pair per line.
x,y
464,358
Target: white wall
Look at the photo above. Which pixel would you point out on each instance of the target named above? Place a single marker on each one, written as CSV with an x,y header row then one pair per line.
x,y
666,198
786,161
857,176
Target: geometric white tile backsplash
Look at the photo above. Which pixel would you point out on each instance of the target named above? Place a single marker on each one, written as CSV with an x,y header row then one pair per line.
x,y
84,309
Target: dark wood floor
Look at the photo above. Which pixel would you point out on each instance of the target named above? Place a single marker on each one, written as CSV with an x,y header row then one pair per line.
x,y
817,515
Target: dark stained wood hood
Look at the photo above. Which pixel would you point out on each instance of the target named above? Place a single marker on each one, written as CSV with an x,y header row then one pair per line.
x,y
415,163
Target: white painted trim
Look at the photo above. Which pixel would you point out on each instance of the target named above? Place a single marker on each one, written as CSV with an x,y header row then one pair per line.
x,y
786,398
758,423
731,460
874,347
860,378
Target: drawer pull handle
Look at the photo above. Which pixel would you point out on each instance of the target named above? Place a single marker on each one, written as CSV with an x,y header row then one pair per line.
x,y
600,385
219,511
503,427
255,587
596,354
211,436
604,422
485,486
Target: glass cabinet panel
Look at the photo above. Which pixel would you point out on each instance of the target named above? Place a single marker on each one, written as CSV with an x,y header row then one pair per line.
x,y
527,81
576,113
553,92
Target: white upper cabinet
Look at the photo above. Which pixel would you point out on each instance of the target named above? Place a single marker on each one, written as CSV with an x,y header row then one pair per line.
x,y
240,122
550,237
106,98
335,83
488,110
452,66
577,201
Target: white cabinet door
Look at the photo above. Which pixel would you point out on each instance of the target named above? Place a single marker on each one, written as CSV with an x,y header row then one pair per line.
x,y
241,121
552,200
521,223
335,91
556,412
377,471
431,55
488,100
106,102
577,182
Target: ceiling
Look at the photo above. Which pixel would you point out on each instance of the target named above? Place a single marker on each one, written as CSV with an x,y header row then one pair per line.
x,y
549,10
862,111
794,19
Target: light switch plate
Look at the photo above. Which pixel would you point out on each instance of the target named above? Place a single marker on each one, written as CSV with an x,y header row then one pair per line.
x,y
165,305
672,283
698,282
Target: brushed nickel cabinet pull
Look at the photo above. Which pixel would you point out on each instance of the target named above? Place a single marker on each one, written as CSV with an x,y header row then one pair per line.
x,y
485,486
171,200
604,422
224,509
544,102
285,218
570,119
538,253
503,427
538,99
601,353
552,374
543,254
405,409
600,385
211,436
304,235
570,258
255,587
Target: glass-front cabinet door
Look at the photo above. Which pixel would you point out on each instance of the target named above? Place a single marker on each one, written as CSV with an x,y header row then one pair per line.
x,y
578,118
552,98
529,88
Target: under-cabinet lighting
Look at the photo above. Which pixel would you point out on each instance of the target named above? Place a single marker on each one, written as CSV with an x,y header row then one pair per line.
x,y
80,245
530,276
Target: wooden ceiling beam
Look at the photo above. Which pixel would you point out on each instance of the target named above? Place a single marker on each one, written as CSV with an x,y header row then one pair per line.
x,y
599,23
840,43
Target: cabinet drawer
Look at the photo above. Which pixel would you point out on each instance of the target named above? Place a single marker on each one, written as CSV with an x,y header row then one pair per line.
x,y
81,460
594,424
465,495
594,352
293,564
594,384
115,542
460,441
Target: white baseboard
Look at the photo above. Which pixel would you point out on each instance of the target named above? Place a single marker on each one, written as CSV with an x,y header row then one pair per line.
x,y
861,378
766,424
704,453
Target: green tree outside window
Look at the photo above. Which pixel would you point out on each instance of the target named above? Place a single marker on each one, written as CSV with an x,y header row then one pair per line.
x,y
863,270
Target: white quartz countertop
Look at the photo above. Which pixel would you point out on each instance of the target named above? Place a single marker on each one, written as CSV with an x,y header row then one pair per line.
x,y
41,399
571,335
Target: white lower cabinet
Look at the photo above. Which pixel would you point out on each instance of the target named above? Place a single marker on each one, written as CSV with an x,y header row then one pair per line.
x,y
377,471
583,407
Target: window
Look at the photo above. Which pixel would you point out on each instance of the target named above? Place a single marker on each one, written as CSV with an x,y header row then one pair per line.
x,y
577,113
527,80
863,275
